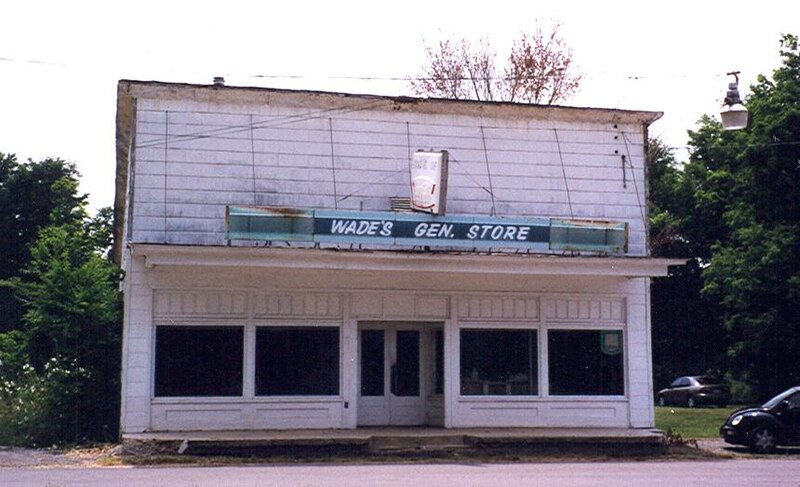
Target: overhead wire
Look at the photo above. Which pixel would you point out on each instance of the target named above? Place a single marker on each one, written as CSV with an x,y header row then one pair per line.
x,y
596,74
287,119
283,120
333,166
488,171
372,183
472,178
564,173
635,183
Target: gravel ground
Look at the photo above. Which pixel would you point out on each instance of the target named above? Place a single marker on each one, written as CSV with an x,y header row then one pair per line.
x,y
109,455
719,447
34,457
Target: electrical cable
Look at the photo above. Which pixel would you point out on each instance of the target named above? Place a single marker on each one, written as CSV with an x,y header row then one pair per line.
x,y
488,171
635,183
289,119
564,173
598,74
471,177
281,121
372,183
253,161
333,166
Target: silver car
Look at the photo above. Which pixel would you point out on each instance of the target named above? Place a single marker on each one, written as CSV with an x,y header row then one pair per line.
x,y
691,391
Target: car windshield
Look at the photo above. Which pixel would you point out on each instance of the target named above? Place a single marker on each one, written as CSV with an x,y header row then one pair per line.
x,y
708,381
777,399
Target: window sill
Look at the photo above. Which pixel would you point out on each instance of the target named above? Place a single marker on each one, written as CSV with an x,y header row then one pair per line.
x,y
247,400
542,399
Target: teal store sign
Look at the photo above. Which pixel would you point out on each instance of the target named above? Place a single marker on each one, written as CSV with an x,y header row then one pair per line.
x,y
419,229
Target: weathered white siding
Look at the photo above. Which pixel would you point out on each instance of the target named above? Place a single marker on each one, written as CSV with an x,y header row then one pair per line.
x,y
191,159
176,295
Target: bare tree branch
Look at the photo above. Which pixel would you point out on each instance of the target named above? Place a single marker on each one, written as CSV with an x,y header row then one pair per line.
x,y
539,70
446,71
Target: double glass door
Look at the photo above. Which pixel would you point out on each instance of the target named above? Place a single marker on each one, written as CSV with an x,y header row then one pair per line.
x,y
391,372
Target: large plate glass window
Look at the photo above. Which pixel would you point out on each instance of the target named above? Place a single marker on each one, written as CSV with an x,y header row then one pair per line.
x,y
297,361
438,354
372,362
498,362
199,361
585,363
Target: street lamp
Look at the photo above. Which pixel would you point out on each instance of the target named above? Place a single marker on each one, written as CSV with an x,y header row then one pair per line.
x,y
733,113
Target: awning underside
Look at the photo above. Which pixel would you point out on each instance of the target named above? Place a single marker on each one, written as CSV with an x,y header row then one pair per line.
x,y
403,262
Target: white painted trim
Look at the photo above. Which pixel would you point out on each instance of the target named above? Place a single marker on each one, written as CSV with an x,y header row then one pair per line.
x,y
244,400
215,322
499,325
292,322
384,261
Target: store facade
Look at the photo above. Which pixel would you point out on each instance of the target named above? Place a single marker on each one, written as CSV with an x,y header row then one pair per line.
x,y
276,276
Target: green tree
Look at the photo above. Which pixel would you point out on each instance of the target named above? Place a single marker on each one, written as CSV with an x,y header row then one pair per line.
x,y
754,273
69,293
687,338
13,354
32,196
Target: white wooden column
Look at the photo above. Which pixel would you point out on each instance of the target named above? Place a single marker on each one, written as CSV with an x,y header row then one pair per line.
x,y
349,372
137,351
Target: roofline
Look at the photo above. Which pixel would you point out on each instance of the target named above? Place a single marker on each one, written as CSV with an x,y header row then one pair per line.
x,y
164,89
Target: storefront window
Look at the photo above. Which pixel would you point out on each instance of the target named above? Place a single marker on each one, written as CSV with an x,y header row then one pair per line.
x,y
198,361
585,363
498,362
438,376
297,361
371,362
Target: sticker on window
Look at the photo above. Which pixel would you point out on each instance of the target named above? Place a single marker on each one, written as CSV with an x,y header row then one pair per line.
x,y
611,342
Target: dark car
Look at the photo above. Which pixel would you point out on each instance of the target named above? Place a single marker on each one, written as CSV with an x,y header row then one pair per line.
x,y
763,429
693,391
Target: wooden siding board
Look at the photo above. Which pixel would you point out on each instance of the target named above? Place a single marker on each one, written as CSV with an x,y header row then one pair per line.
x,y
217,119
213,153
146,115
146,209
204,225
194,238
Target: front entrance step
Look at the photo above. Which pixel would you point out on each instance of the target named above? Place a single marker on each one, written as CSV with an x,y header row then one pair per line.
x,y
401,443
423,441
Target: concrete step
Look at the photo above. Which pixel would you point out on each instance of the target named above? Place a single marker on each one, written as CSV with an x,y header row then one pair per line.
x,y
402,443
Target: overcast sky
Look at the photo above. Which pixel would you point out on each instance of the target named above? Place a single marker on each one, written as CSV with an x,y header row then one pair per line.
x,y
60,60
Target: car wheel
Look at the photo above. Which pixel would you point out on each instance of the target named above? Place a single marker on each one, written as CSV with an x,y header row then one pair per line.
x,y
690,402
763,440
661,401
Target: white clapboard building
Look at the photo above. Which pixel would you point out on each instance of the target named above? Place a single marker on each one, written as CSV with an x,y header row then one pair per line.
x,y
299,259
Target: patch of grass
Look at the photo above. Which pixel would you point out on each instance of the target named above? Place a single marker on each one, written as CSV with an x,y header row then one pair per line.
x,y
692,423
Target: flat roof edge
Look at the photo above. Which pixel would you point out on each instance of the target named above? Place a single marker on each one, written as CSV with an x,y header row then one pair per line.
x,y
139,88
